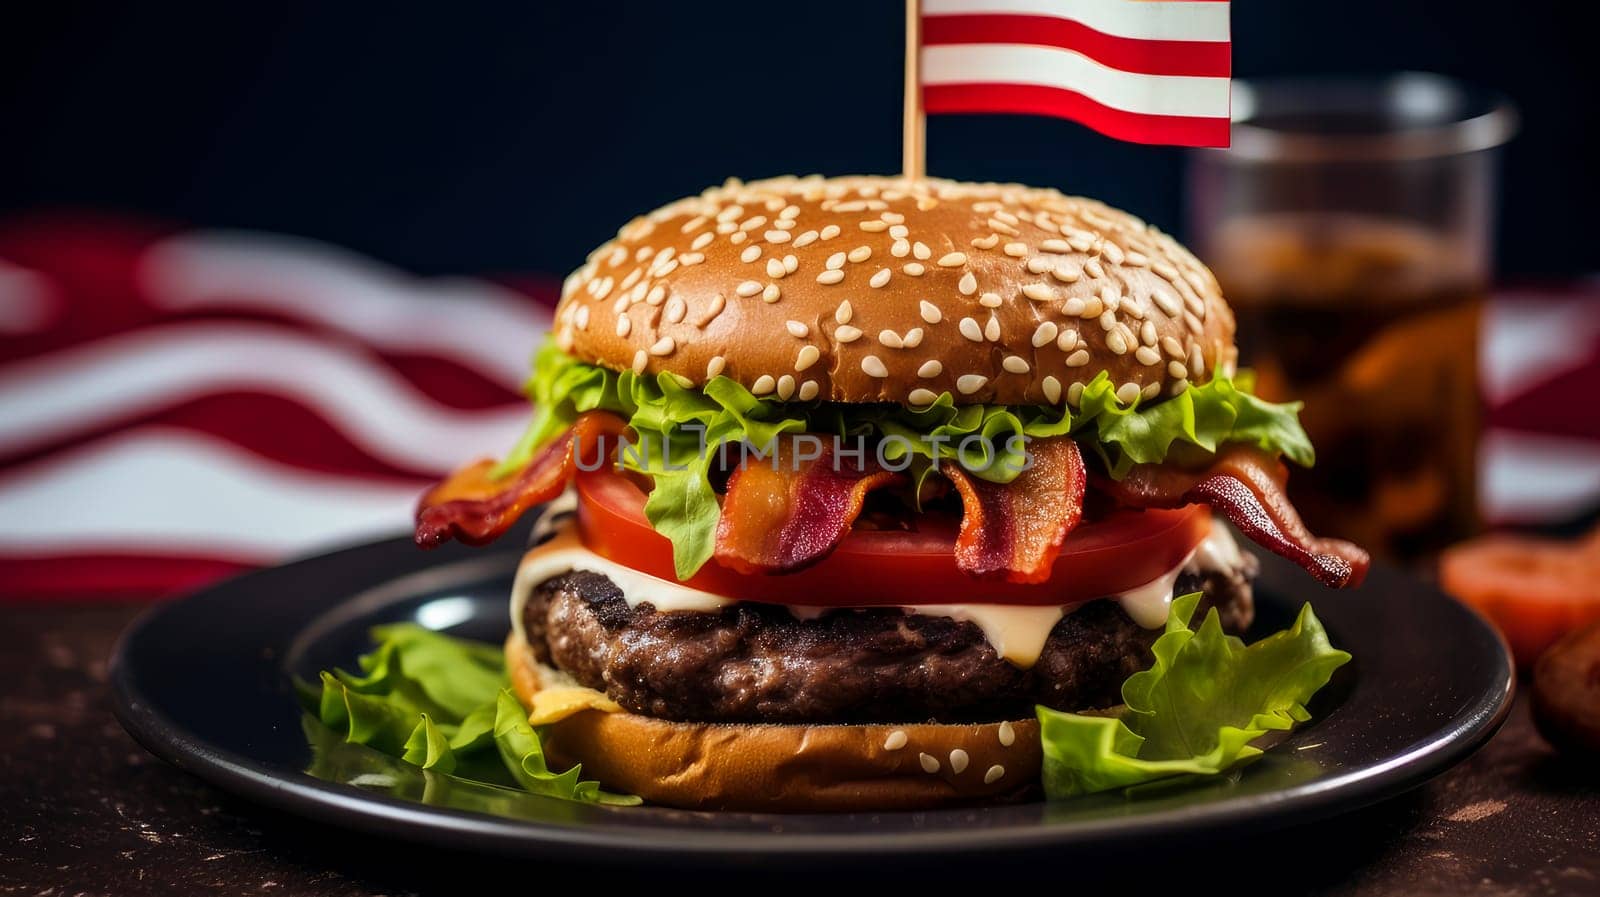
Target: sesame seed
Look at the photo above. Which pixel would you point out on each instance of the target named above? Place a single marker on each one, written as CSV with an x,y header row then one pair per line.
x,y
1067,339
1147,355
692,258
1167,302
790,211
1081,241
790,264
958,761
1074,393
1073,306
873,366
750,224
1055,246
920,396
1037,265
995,774
797,329
1038,292
970,383
808,390
913,269
775,268
930,312
657,295
952,260
632,278
730,213
930,763
808,356
879,279
835,261
777,236
1078,359
891,339
1197,358
829,232
1066,274
930,369
990,300
860,254
1016,364
1151,390
1092,308
714,367
913,338
900,232
992,329
1193,323
1116,343
1045,333
846,334
1147,333
971,330
763,385
805,239
1177,370
1052,394
830,276
1006,733
785,387
747,289
676,309
900,249
663,346
968,284
1108,320
1093,268
893,218
844,312
1016,250
717,304
692,224
921,251
640,359
703,240
996,224
988,242
738,237
623,325
874,227
853,206
770,293
896,740
1137,259
1127,393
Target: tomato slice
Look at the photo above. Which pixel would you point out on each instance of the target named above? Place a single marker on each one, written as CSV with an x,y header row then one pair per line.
x,y
893,567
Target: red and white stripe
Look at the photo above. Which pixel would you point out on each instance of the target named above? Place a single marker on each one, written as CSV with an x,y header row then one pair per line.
x,y
1146,71
177,407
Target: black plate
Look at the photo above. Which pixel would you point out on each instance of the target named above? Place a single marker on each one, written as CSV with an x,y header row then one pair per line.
x,y
205,683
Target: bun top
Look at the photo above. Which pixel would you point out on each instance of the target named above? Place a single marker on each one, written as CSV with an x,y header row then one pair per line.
x,y
873,289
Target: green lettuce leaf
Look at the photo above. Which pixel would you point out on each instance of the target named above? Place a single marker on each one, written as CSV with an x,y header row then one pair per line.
x,y
440,703
675,423
1196,710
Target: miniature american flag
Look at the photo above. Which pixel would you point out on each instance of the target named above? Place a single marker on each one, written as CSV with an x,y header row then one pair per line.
x,y
1145,71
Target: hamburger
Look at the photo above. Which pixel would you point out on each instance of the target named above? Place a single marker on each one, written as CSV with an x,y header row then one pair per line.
x,y
847,484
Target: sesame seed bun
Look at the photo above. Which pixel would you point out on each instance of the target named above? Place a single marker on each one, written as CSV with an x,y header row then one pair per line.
x,y
870,289
788,768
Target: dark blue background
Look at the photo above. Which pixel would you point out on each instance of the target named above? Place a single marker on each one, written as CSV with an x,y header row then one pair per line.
x,y
515,136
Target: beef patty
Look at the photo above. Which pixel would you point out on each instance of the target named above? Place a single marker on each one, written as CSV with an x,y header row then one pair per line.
x,y
759,663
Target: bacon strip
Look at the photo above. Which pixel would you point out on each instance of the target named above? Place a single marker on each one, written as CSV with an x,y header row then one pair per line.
x,y
1015,530
471,506
783,512
1246,485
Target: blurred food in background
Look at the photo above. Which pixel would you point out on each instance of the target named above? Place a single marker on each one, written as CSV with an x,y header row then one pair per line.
x,y
1535,590
1350,228
1566,692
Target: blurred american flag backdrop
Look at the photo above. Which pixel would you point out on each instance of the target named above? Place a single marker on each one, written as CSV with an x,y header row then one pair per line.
x,y
176,406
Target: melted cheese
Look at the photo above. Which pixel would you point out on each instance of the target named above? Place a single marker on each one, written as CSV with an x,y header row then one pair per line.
x,y
1016,633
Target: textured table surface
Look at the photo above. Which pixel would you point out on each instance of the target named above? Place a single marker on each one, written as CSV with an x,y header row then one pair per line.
x,y
87,811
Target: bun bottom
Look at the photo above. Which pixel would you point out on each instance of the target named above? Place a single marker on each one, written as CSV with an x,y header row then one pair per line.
x,y
788,768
